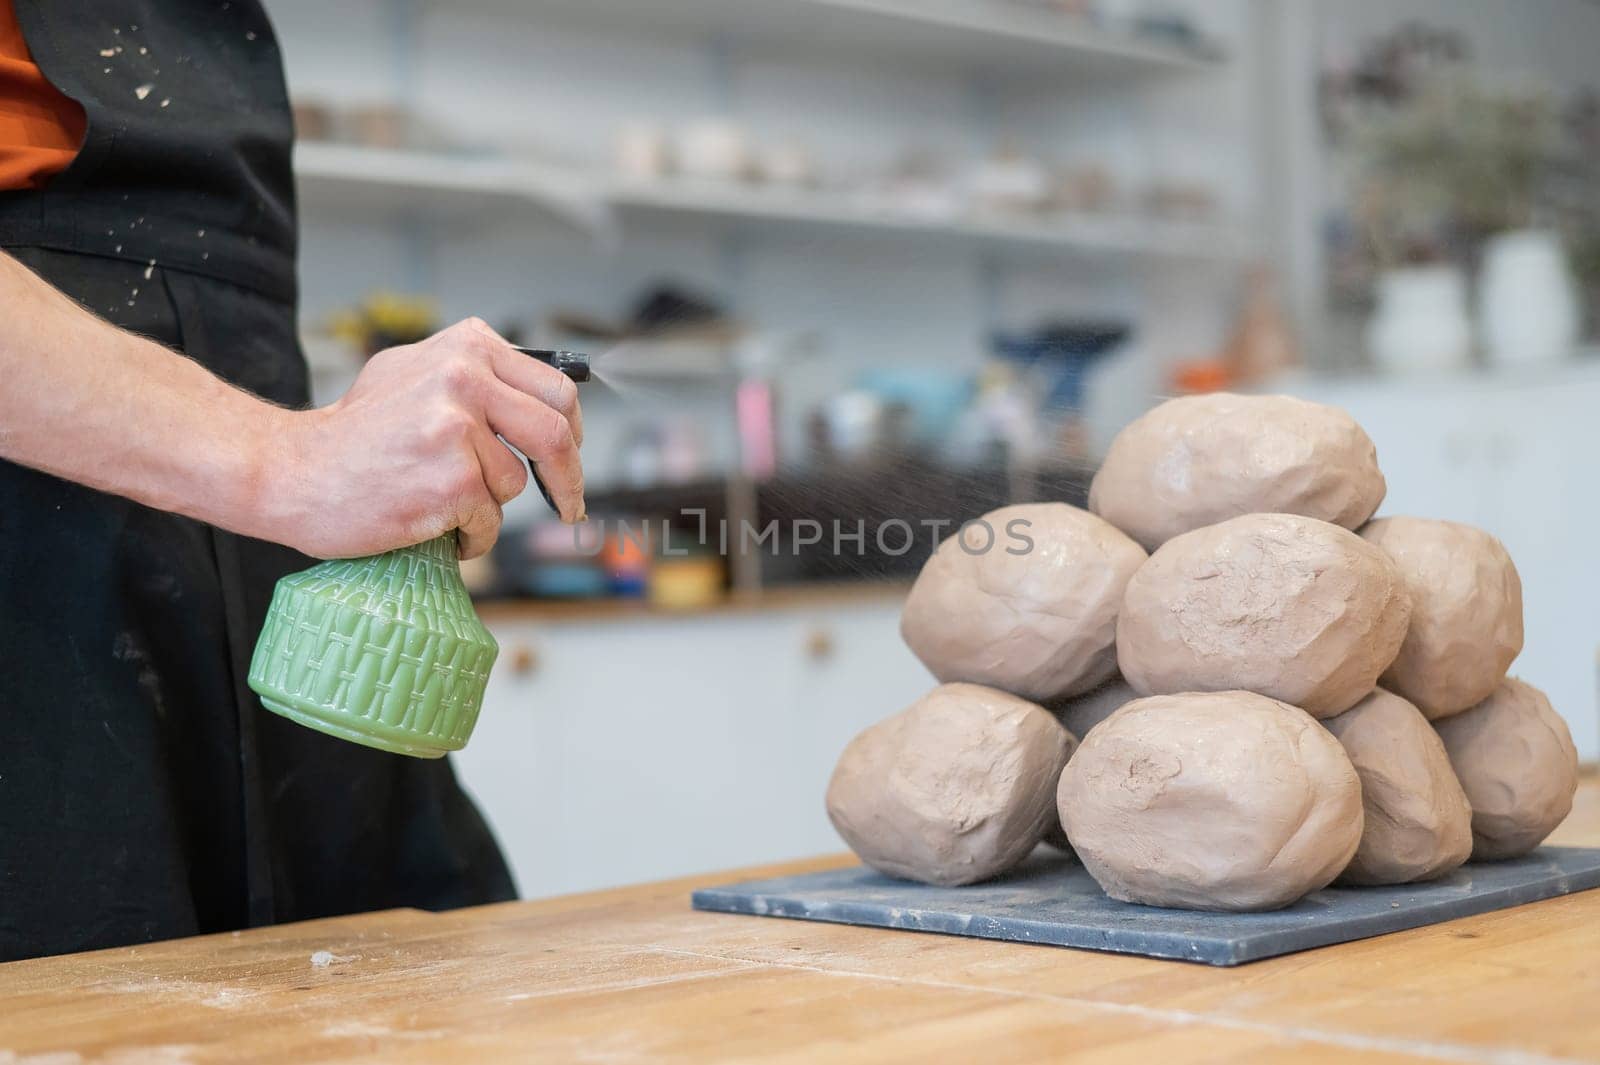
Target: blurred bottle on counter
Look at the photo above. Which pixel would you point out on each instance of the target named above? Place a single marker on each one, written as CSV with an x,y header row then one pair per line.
x,y
627,565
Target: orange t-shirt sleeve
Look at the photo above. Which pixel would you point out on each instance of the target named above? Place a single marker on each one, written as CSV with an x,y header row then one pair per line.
x,y
40,129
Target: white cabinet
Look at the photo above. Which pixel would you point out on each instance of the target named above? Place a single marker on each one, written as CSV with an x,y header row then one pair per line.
x,y
641,747
1515,455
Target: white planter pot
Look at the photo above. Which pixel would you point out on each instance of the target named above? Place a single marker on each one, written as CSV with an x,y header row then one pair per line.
x,y
1527,303
1421,322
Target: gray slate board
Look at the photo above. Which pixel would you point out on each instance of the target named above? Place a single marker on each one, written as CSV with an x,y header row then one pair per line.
x,y
1051,899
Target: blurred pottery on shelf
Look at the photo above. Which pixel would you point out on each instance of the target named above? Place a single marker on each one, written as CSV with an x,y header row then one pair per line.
x,y
313,121
787,164
1011,182
933,399
1190,200
1262,344
643,152
379,126
852,424
714,149
1527,300
1085,188
1421,321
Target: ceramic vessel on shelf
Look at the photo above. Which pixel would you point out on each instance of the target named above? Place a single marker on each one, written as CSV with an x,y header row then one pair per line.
x,y
384,651
644,152
714,149
1527,303
1421,321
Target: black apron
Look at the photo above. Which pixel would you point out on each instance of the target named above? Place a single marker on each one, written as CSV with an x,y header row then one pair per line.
x,y
144,792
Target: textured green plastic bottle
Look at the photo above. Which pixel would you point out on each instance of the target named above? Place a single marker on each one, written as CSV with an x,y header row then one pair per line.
x,y
384,651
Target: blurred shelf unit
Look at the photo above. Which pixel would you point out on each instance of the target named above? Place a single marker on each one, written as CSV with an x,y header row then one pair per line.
x,y
345,180
350,180
1008,39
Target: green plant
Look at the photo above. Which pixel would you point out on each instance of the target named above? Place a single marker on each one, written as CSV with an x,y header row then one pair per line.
x,y
1449,165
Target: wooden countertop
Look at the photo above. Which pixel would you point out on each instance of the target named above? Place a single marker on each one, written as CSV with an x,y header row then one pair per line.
x,y
635,975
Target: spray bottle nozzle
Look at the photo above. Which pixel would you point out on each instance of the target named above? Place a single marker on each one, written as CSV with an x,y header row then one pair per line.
x,y
572,363
576,366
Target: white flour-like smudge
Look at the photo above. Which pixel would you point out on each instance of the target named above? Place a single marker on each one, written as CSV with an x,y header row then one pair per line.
x,y
324,958
144,90
354,1028
107,53
225,998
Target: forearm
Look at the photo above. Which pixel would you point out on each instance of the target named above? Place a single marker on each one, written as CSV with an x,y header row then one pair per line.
x,y
91,403
415,449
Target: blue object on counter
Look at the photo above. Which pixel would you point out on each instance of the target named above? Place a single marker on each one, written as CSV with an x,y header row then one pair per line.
x,y
1066,350
634,585
567,580
936,400
1051,899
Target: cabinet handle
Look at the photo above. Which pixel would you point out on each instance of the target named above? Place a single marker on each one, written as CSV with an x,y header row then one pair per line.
x,y
524,660
819,644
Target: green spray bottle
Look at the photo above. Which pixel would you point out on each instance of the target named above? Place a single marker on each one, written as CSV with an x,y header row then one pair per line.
x,y
385,651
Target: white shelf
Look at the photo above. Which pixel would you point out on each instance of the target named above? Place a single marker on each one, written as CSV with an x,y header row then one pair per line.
x,y
352,182
769,207
997,37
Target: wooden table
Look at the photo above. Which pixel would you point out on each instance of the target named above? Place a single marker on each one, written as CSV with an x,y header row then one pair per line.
x,y
635,975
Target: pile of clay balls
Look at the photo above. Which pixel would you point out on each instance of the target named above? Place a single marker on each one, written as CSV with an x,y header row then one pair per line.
x,y
1224,686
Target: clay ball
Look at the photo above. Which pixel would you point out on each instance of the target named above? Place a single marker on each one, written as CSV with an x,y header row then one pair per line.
x,y
1418,823
1287,606
1515,759
1203,459
1211,801
955,789
1028,606
1466,612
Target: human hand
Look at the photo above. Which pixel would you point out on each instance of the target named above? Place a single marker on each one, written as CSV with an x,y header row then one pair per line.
x,y
412,451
